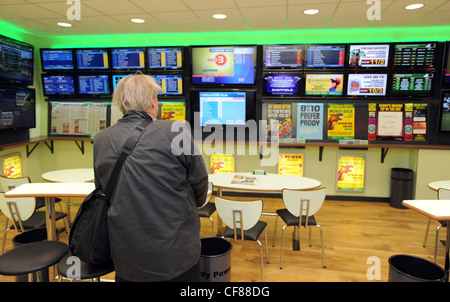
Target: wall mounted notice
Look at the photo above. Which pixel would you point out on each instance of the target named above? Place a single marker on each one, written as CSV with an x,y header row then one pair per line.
x,y
350,173
310,121
341,121
221,163
291,164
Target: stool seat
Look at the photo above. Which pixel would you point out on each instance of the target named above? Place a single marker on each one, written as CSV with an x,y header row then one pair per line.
x,y
32,257
87,271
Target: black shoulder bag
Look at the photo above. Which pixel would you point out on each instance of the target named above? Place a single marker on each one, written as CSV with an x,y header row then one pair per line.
x,y
89,237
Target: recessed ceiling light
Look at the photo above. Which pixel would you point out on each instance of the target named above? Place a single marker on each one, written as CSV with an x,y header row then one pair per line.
x,y
64,24
415,6
219,16
311,11
136,20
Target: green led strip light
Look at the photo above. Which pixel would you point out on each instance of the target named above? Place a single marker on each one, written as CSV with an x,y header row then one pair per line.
x,y
416,34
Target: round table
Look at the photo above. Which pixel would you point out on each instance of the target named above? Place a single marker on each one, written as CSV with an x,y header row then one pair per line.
x,y
69,175
436,185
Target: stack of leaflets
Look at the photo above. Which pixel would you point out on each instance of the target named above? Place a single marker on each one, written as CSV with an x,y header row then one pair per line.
x,y
246,180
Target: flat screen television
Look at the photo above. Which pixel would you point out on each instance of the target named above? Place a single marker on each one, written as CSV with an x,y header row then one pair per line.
x,y
165,57
368,55
58,85
93,85
283,56
445,112
92,59
223,65
16,62
325,56
321,84
415,55
446,75
170,84
412,84
128,58
17,108
369,84
222,108
172,110
282,84
57,59
116,78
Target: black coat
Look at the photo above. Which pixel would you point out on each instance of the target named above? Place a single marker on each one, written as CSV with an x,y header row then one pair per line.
x,y
153,221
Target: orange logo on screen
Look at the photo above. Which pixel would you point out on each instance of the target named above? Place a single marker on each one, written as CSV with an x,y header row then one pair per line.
x,y
220,59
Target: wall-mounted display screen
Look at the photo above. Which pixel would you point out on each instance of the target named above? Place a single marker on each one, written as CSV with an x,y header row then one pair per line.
x,y
223,65
16,62
283,56
415,55
222,108
412,84
92,59
375,55
128,58
93,84
170,84
446,80
367,84
165,57
57,59
445,112
17,108
324,84
116,78
282,84
58,85
173,110
325,56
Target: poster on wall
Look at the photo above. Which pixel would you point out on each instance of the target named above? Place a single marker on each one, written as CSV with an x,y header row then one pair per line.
x,y
221,163
341,121
12,165
398,122
291,164
351,170
310,121
280,120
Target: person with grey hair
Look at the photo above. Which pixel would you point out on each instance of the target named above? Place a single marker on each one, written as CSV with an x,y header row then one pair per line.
x,y
153,223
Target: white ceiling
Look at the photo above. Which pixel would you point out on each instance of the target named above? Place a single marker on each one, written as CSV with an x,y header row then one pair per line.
x,y
39,17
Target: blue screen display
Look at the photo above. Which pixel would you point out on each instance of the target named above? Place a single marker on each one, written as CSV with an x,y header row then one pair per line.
x,y
93,84
128,58
222,108
57,59
92,59
57,85
282,83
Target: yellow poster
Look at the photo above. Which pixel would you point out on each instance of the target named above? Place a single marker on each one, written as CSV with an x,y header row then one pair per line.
x,y
12,166
222,163
291,164
351,173
341,121
173,111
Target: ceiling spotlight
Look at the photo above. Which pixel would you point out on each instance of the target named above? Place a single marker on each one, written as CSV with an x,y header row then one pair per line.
x,y
415,6
219,16
311,11
136,20
62,24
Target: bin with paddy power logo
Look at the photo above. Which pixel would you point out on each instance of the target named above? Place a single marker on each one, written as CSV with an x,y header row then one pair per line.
x,y
215,260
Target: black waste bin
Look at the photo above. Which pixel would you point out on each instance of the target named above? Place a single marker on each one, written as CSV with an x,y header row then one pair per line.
x,y
215,260
27,237
402,181
405,268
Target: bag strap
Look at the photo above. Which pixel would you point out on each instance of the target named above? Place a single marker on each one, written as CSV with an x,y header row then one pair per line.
x,y
127,149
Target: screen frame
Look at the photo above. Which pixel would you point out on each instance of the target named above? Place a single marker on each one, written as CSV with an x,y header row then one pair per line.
x,y
79,94
147,54
293,68
301,84
41,50
423,94
420,67
364,72
28,80
110,57
75,85
344,66
81,70
389,56
211,85
34,108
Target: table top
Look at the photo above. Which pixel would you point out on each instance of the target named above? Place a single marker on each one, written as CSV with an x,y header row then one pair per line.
x,y
69,175
36,189
438,209
270,182
436,185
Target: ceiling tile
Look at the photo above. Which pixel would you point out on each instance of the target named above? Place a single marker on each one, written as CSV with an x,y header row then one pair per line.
x,y
264,13
280,24
119,7
29,11
259,3
232,15
176,17
210,4
153,6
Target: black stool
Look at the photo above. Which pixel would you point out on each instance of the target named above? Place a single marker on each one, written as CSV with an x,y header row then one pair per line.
x,y
87,271
32,257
